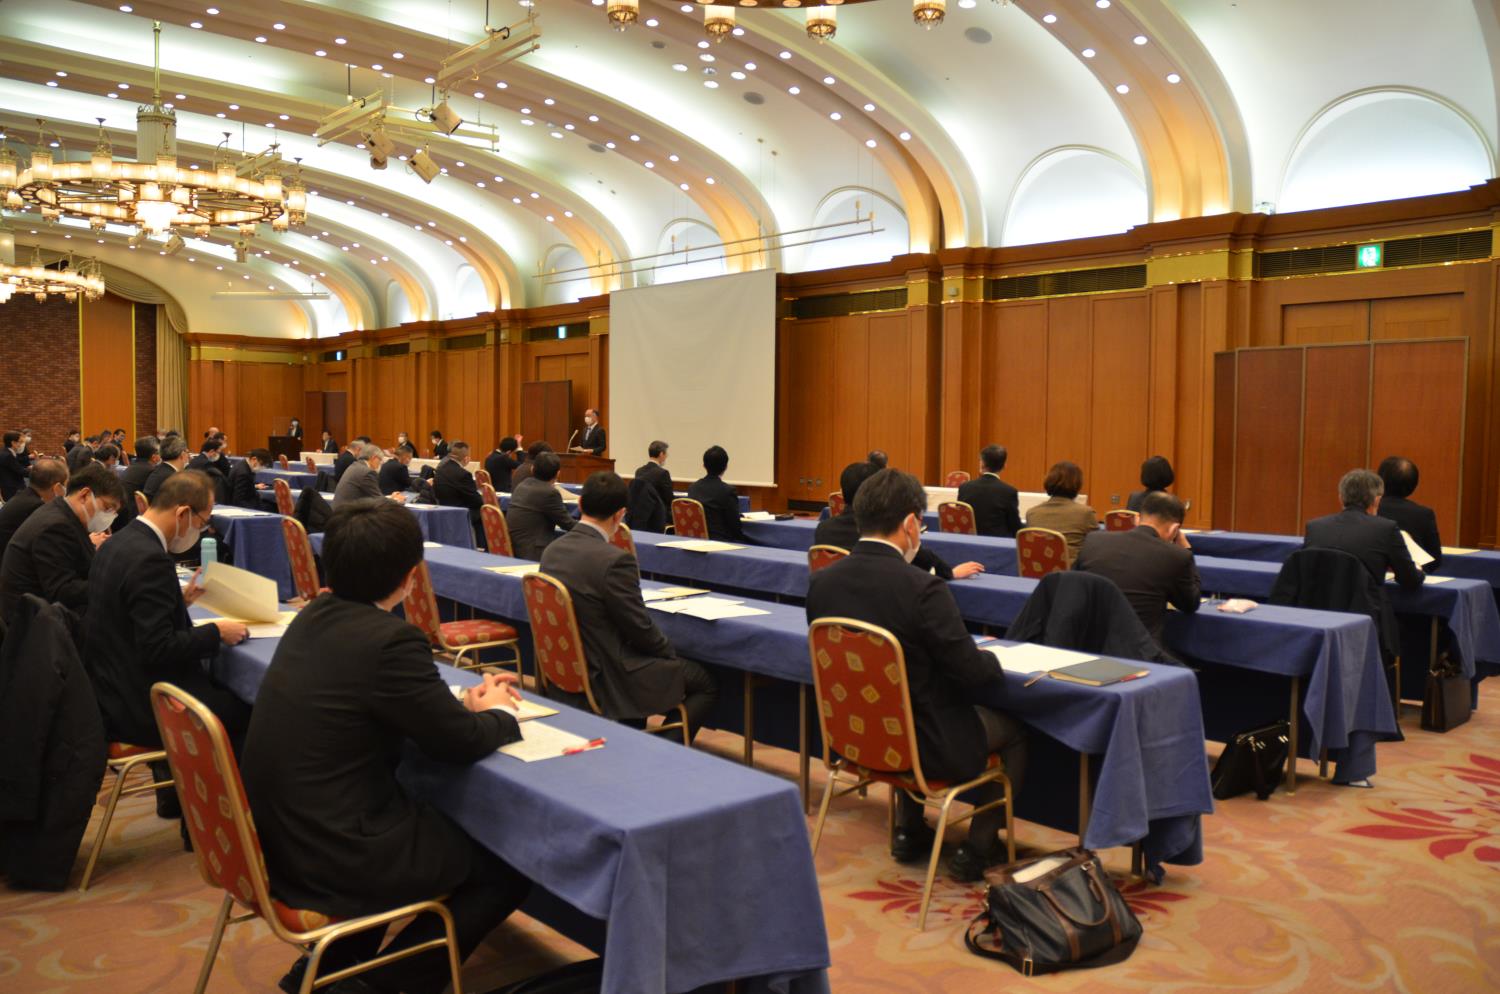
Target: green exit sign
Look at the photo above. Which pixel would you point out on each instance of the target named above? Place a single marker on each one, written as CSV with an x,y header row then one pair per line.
x,y
1370,256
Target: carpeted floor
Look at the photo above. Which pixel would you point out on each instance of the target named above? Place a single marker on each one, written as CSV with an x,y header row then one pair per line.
x,y
1394,889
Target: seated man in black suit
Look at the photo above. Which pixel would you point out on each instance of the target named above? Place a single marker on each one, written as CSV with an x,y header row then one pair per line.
x,y
1360,530
502,462
632,669
147,458
537,511
1400,478
440,448
48,480
997,506
395,478
350,682
1152,564
51,553
453,486
528,465
348,456
721,502
651,494
174,457
842,532
1156,474
361,481
878,458
944,668
107,455
242,485
74,437
329,445
80,456
591,439
14,468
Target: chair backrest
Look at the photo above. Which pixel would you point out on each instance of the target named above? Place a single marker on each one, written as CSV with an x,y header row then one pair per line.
x,y
299,553
836,503
956,478
824,555
496,534
488,495
1040,551
1121,521
482,477
957,517
283,491
421,606
312,467
1073,609
142,505
623,538
864,709
688,518
281,461
557,645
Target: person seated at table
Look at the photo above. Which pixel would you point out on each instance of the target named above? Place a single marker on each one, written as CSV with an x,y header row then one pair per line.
x,y
945,670
80,456
174,458
440,448
362,478
453,486
1360,530
720,500
1399,475
349,684
242,485
210,459
48,480
147,458
13,470
537,512
329,446
395,478
650,493
633,670
1061,511
502,462
348,457
1152,564
996,503
51,552
402,439
878,459
528,465
842,531
73,439
1156,474
107,455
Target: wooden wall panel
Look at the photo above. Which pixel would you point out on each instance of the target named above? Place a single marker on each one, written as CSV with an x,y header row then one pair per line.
x,y
892,420
1069,385
1268,395
1433,316
1192,445
106,340
1332,321
1423,423
1225,369
806,452
1335,424
1015,405
1120,401
850,385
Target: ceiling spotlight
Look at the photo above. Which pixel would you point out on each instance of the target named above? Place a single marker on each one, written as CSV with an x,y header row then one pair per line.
x,y
1049,18
423,166
241,249
174,244
446,118
1172,77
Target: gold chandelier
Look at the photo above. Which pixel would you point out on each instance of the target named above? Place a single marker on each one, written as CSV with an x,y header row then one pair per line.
x,y
67,281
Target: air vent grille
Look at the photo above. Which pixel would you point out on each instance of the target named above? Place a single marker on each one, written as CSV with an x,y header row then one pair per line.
x,y
1422,251
553,332
462,342
842,304
1061,284
390,351
337,355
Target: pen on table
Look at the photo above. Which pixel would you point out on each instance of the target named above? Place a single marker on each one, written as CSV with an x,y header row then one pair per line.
x,y
591,744
1035,677
1133,676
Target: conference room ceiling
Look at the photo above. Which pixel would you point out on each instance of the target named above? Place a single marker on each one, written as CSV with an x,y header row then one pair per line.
x,y
1008,123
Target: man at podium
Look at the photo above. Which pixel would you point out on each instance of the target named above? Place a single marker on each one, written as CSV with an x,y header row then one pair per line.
x,y
592,439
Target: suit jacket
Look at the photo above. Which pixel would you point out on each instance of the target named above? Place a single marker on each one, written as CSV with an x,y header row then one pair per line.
x,y
1070,609
78,457
536,508
341,465
13,473
632,668
359,481
1149,572
49,555
154,479
134,479
14,514
721,506
242,491
454,486
592,438
294,431
1060,514
521,474
440,450
1374,540
650,499
349,685
996,505
500,466
657,477
394,477
330,446
943,666
1419,522
137,632
841,531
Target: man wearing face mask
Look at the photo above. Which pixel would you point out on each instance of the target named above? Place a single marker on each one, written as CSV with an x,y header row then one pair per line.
x,y
137,628
174,458
875,583
50,555
49,479
592,440
13,468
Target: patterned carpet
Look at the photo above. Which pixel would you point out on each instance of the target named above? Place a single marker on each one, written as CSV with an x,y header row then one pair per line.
x,y
1335,889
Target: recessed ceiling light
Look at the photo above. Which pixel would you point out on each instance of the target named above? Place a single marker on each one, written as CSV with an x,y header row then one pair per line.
x,y
794,90
711,84
428,80
181,96
869,108
515,200
828,81
195,24
213,11
126,7
478,94
548,101
261,39
525,110
502,85
709,180
652,22
398,55
320,53
1049,18
1101,4
234,106
682,186
703,44
784,54
535,195
550,219
635,138
557,134
1122,89
737,74
705,57
749,66
284,117
968,4
905,136
686,8
1172,77
278,26
680,67
51,82
649,164
270,124
673,157
567,213
869,143
835,116
377,67
738,32
341,41
1140,39
1087,53
124,86
568,127
61,74
609,144
593,118
479,183
219,114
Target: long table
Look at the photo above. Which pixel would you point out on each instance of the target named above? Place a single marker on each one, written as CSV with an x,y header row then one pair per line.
x,y
699,868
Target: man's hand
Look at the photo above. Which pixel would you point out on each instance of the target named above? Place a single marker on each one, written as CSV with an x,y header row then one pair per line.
x,y
1179,537
965,570
497,691
231,632
98,538
399,497
194,589
260,486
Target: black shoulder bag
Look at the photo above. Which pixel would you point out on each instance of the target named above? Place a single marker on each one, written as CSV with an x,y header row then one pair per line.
x,y
1253,760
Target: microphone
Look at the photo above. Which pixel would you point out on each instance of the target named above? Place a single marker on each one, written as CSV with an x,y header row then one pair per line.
x,y
571,437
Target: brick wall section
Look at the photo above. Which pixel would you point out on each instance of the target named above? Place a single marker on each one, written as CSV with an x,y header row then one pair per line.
x,y
145,371
39,369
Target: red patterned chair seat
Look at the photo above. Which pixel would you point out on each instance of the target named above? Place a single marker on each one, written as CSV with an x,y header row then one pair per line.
x,y
461,633
124,750
301,921
906,780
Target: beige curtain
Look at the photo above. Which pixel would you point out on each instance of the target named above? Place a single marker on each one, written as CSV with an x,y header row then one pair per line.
x,y
171,350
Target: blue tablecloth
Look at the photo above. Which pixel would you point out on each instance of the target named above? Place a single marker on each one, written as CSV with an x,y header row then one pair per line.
x,y
297,479
1480,564
258,546
700,868
744,499
998,555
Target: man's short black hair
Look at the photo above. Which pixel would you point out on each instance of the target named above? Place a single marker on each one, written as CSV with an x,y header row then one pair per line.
x,y
716,460
885,499
546,466
368,548
262,456
537,448
434,434
146,447
604,493
102,480
1400,476
854,474
878,458
992,458
363,439
657,448
406,448
1156,473
509,444
454,448
327,432
211,445
1160,504
11,438
107,451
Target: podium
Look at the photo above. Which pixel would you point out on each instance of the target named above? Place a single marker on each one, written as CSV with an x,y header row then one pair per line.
x,y
576,466
285,445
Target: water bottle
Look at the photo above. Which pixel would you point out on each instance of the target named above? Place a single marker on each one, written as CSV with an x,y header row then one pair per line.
x,y
208,551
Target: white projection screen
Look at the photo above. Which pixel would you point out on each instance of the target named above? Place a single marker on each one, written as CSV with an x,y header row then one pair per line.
x,y
694,364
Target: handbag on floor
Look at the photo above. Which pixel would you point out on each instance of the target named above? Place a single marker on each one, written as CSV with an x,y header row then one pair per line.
x,y
1445,705
1253,760
1058,912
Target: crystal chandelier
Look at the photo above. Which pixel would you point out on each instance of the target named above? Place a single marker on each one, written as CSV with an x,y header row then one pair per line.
x,y
718,21
623,13
41,282
822,22
928,12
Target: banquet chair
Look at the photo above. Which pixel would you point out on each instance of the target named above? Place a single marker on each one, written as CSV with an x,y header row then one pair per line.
x,y
623,538
123,759
299,553
820,556
219,822
1121,521
835,503
688,518
281,461
957,518
559,647
496,532
956,478
482,477
312,467
283,492
142,505
456,639
870,733
488,495
1040,551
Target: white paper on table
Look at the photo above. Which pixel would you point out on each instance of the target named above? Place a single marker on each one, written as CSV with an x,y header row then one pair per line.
x,y
231,592
221,510
1437,579
432,545
1418,554
1450,550
714,608
521,569
699,545
676,605
757,516
670,593
525,711
542,741
258,629
1028,657
1238,605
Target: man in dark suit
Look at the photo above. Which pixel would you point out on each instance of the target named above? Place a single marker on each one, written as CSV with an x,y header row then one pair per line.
x,y
440,448
329,445
395,478
592,438
74,438
348,456
80,456
362,480
537,511
650,494
502,462
242,485
997,506
453,486
721,502
294,429
632,668
1152,564
1360,530
174,457
842,532
13,470
528,466
211,460
107,455
52,551
48,480
944,668
349,686
878,459
1400,478
147,458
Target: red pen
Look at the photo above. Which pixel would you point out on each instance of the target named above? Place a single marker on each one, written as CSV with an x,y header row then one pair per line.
x,y
1134,676
591,744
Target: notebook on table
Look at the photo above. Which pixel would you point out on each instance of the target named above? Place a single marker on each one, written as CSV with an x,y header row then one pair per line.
x,y
1099,672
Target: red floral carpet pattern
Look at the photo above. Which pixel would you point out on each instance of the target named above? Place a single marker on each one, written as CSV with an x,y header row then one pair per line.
x,y
1331,890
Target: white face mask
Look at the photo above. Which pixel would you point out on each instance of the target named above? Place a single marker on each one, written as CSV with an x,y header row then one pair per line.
x,y
914,548
101,519
179,544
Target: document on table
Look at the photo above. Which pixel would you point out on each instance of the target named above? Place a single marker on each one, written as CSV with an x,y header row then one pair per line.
x,y
670,593
432,545
1028,657
1450,550
231,592
521,569
542,741
238,512
259,629
700,545
757,516
525,711
707,608
1391,578
1418,554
